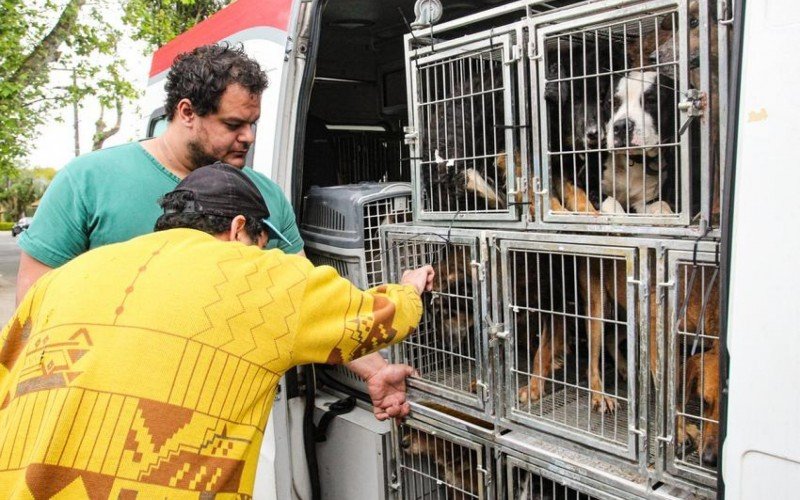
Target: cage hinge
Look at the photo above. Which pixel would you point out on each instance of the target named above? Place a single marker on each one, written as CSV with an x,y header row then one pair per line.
x,y
532,55
481,269
666,439
411,134
636,431
482,389
487,477
289,48
537,187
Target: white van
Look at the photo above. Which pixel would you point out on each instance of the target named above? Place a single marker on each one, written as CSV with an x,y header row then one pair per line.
x,y
591,179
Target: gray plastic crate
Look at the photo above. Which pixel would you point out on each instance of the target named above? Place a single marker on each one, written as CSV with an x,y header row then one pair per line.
x,y
341,224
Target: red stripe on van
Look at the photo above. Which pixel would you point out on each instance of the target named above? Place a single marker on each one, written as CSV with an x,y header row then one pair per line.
x,y
238,16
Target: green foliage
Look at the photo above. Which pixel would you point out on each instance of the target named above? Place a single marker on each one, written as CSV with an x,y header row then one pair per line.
x,y
6,226
158,21
38,37
21,189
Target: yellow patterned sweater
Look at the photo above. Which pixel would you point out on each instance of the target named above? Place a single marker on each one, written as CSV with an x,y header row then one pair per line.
x,y
147,369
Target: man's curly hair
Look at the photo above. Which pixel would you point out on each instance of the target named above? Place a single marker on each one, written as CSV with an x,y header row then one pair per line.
x,y
203,74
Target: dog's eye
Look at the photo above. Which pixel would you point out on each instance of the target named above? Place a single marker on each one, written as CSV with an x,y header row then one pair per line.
x,y
694,22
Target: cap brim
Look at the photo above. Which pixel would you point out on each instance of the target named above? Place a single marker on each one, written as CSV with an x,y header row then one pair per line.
x,y
273,232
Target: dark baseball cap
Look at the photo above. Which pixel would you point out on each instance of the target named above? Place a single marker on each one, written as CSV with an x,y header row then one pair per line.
x,y
223,190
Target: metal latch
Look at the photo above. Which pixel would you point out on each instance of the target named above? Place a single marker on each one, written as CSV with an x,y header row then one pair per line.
x,y
693,107
411,135
665,439
516,54
481,269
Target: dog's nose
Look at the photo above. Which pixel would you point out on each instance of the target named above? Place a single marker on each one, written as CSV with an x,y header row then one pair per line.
x,y
591,137
710,455
623,127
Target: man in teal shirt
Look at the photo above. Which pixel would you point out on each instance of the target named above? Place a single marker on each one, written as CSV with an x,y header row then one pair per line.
x,y
213,102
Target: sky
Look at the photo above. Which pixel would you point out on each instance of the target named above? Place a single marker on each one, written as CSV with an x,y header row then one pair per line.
x,y
55,144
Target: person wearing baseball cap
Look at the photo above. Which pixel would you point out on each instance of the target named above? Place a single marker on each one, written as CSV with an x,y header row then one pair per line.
x,y
161,355
221,191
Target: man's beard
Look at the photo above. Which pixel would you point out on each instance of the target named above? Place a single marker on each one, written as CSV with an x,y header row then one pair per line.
x,y
198,156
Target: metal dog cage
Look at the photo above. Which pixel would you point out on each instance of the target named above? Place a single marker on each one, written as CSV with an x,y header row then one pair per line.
x,y
526,481
434,463
449,349
692,375
464,136
616,98
341,229
571,315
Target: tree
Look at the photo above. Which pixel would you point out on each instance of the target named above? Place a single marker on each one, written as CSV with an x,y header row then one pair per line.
x,y
159,21
38,36
22,189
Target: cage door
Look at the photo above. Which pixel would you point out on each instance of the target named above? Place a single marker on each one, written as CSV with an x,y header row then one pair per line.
x,y
570,313
448,350
464,145
693,351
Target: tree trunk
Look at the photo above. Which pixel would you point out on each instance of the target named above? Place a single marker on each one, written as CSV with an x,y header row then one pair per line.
x,y
46,52
101,133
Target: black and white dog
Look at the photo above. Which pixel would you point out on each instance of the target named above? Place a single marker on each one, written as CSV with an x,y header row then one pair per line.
x,y
642,110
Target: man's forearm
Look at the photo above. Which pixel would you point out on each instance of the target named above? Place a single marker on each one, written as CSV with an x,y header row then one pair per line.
x,y
368,365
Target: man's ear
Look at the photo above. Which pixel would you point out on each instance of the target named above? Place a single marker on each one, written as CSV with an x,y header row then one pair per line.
x,y
237,226
184,112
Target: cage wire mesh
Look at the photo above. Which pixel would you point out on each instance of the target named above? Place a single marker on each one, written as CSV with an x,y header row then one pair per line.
x,y
610,120
462,108
445,350
568,316
525,484
432,466
695,328
377,213
370,156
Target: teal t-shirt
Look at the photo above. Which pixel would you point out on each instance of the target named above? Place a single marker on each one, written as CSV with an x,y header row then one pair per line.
x,y
112,195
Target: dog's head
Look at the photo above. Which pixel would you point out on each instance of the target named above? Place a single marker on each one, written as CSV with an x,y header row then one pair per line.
x,y
642,111
665,53
702,380
573,110
451,305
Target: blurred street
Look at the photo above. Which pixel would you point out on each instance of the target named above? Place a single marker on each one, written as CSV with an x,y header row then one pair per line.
x,y
9,263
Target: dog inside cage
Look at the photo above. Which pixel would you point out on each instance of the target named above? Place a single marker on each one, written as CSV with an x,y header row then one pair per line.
x,y
570,326
461,105
611,101
527,485
445,349
696,325
435,467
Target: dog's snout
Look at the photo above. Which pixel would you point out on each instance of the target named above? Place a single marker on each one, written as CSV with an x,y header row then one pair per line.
x,y
710,454
405,443
623,127
591,136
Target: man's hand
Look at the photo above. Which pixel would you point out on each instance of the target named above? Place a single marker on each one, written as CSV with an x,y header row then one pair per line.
x,y
421,279
387,388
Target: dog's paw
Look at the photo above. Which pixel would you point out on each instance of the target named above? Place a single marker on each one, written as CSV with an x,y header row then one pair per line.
x,y
658,208
604,404
611,206
530,393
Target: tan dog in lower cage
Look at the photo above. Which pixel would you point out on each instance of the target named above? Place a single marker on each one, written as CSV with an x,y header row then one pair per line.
x,y
606,285
456,464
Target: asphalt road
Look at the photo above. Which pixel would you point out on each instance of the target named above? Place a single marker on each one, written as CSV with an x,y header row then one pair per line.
x,y
9,263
